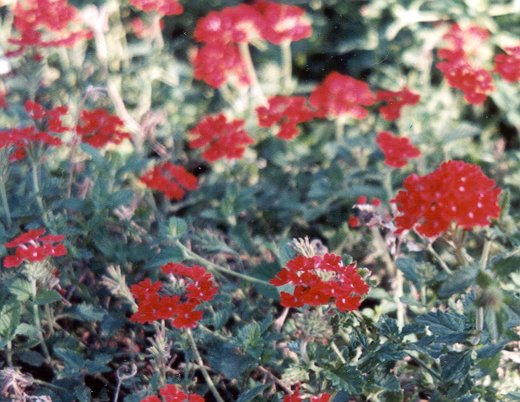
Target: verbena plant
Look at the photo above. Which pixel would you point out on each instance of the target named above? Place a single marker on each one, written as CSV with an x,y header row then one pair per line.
x,y
259,201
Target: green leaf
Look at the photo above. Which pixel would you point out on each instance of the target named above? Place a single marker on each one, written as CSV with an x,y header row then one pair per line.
x,y
250,394
99,364
408,267
121,197
346,378
459,281
455,366
21,289
506,266
83,393
388,327
9,319
491,350
448,327
170,254
87,312
73,360
47,296
176,227
32,358
225,359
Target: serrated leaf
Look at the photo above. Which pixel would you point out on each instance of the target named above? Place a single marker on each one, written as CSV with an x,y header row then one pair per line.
x,y
99,364
47,296
491,350
250,394
459,281
455,366
32,358
121,197
448,327
9,319
225,359
506,266
170,254
21,289
87,312
83,393
73,360
388,327
408,267
176,227
346,378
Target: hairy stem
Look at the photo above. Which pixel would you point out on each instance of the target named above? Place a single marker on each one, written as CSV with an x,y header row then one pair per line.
x,y
37,322
251,72
286,66
205,373
5,202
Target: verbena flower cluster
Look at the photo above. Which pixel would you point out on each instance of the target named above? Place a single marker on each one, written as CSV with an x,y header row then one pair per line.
x,y
171,393
320,280
170,179
397,150
197,286
33,246
456,192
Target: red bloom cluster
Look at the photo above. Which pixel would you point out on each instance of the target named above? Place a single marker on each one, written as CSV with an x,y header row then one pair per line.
x,y
220,138
170,393
180,309
286,112
52,117
296,397
141,30
508,65
455,192
98,128
283,22
474,82
319,279
397,150
395,102
237,24
340,95
219,63
163,7
31,246
219,60
44,23
20,139
171,180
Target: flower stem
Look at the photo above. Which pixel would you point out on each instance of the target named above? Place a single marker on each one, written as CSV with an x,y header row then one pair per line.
x,y
439,259
38,323
36,187
251,72
3,194
286,66
9,353
215,267
205,373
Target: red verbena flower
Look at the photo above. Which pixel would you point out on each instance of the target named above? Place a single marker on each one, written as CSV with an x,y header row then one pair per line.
x,y
98,128
475,83
296,397
508,65
319,280
201,286
219,138
181,309
286,112
458,66
462,43
32,246
237,24
45,23
170,393
52,117
455,192
340,95
219,63
143,30
19,140
397,150
163,7
283,22
395,102
171,180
